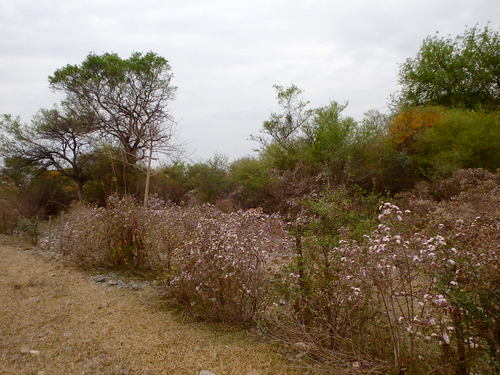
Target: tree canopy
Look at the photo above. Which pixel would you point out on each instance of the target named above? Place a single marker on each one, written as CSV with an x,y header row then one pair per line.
x,y
128,97
56,138
454,72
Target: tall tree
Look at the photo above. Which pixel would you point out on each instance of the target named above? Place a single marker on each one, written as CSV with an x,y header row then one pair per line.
x,y
128,97
459,72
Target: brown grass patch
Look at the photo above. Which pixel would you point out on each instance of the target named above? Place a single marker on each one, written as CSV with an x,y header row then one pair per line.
x,y
81,327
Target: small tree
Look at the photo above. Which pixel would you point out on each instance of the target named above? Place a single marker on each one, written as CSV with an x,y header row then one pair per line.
x,y
56,138
283,127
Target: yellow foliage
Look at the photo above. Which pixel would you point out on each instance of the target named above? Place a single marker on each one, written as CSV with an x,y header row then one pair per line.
x,y
409,122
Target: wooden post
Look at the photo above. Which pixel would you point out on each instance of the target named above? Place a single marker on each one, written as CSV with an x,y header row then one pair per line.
x,y
61,233
148,174
50,233
35,231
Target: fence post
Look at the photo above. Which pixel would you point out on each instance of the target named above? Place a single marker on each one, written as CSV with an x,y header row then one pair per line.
x,y
35,231
61,233
50,233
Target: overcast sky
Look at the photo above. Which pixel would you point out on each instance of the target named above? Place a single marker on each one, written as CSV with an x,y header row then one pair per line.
x,y
227,54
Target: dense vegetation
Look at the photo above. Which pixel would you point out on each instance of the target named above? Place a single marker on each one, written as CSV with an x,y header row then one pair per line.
x,y
371,245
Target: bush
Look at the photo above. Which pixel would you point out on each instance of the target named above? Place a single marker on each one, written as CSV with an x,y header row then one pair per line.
x,y
361,290
120,235
224,268
460,139
419,293
251,179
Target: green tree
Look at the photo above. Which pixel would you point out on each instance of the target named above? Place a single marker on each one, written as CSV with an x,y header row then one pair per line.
x,y
251,179
128,97
454,72
34,190
460,139
283,127
209,179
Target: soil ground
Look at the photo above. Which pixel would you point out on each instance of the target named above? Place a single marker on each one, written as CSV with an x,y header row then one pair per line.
x,y
55,320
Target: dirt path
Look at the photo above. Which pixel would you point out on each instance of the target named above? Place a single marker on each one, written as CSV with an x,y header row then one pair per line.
x,y
73,325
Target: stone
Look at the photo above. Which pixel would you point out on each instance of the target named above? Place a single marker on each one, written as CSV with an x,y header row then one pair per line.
x,y
301,345
206,372
25,350
122,370
34,352
101,279
300,355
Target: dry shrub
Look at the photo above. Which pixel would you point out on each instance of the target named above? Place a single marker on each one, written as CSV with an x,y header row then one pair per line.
x,y
462,181
217,264
9,215
119,235
419,294
224,267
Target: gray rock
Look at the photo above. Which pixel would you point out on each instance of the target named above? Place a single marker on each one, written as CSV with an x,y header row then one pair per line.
x,y
121,370
25,350
300,355
206,372
101,279
301,345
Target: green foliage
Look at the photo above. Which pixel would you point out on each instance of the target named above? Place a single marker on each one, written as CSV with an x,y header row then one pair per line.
x,y
251,179
461,139
329,137
343,210
210,179
285,126
33,190
172,183
128,98
368,152
459,72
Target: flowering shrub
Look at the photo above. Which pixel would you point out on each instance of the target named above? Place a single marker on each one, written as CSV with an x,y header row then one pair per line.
x,y
224,268
413,295
392,290
218,263
120,235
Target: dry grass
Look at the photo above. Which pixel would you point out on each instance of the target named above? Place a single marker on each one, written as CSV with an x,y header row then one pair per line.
x,y
80,327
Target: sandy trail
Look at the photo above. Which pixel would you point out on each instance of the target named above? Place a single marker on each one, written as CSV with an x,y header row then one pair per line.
x,y
82,327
